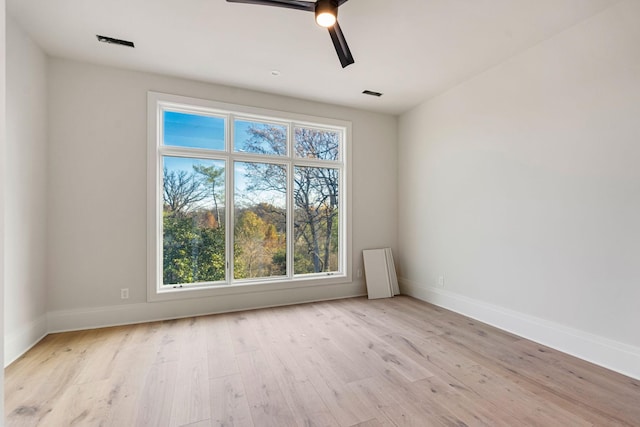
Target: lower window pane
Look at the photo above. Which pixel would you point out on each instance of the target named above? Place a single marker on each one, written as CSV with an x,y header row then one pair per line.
x,y
193,232
260,220
316,219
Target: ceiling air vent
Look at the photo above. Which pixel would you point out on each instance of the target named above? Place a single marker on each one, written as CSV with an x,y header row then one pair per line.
x,y
111,40
372,93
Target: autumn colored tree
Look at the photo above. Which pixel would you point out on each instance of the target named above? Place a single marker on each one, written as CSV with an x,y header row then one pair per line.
x,y
315,192
258,242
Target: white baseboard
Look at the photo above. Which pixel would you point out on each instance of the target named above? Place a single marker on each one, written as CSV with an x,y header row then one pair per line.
x,y
125,314
18,342
617,356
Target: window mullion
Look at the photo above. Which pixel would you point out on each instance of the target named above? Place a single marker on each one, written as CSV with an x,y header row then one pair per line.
x,y
229,191
290,221
229,219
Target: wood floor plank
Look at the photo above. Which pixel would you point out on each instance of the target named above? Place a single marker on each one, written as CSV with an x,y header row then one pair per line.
x,y
129,370
169,346
367,347
342,363
304,351
593,385
301,395
266,401
517,400
469,412
229,405
191,398
203,423
392,401
35,385
157,395
354,362
369,423
191,402
81,405
512,366
501,394
220,352
243,337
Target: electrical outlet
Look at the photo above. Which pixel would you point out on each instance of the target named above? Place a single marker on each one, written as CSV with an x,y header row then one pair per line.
x,y
441,281
124,293
359,272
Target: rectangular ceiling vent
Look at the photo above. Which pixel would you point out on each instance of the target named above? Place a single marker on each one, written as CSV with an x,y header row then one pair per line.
x,y
111,40
372,93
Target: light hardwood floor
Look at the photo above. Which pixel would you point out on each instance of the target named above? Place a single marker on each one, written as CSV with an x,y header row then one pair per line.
x,y
352,362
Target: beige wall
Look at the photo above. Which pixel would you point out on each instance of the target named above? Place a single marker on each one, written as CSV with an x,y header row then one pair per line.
x,y
25,193
2,157
521,188
97,193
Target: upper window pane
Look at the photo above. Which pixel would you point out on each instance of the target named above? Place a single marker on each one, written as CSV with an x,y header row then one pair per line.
x,y
193,130
260,138
320,144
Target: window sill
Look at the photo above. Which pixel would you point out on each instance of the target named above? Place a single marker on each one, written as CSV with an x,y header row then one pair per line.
x,y
248,287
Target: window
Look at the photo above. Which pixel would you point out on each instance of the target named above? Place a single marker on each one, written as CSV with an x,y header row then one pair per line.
x,y
244,199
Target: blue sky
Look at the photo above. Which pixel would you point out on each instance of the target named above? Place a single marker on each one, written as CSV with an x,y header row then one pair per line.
x,y
192,130
199,131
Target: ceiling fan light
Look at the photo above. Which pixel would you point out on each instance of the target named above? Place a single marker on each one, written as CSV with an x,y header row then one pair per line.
x,y
325,19
326,13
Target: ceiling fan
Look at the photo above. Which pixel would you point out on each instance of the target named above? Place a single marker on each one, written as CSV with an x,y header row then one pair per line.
x,y
326,16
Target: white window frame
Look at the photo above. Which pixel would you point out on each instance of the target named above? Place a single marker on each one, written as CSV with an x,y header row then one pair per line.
x,y
156,103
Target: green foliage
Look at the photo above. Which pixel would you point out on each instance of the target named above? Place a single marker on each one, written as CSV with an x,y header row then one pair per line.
x,y
191,253
302,263
279,261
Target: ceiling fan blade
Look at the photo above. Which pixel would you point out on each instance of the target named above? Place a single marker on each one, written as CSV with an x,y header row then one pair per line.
x,y
289,4
340,43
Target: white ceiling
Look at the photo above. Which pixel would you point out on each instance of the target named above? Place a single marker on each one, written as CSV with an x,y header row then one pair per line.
x,y
410,50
